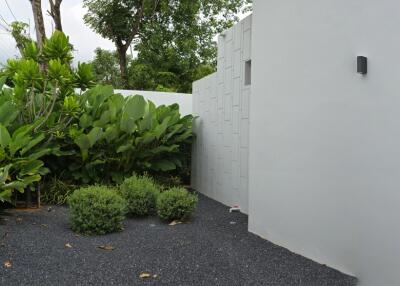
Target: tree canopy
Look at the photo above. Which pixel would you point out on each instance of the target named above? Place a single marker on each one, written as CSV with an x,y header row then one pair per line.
x,y
174,38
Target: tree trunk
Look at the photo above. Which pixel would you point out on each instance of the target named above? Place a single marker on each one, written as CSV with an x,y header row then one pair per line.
x,y
39,23
123,66
55,13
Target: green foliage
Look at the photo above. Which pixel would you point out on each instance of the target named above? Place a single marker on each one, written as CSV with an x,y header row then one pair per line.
x,y
172,37
166,181
176,204
96,210
90,136
117,136
56,192
19,158
58,47
19,32
36,110
105,68
140,193
84,77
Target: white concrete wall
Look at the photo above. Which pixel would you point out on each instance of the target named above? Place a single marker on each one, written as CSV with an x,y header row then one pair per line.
x,y
324,166
221,100
184,100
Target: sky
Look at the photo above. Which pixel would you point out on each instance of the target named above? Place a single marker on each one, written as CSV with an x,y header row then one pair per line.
x,y
84,40
81,36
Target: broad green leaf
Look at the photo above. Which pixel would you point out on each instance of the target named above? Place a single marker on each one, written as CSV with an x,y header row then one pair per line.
x,y
96,96
44,171
83,142
18,142
163,165
146,123
187,134
4,171
85,121
148,138
115,104
2,82
161,149
31,179
40,153
5,195
5,137
124,148
135,107
128,124
94,135
160,129
94,164
8,113
111,133
22,131
31,168
32,143
104,119
162,112
174,130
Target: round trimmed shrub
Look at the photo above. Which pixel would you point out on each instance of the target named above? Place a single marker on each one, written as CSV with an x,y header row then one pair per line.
x,y
140,193
96,210
176,204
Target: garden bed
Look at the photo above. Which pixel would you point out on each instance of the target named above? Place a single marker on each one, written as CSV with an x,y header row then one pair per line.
x,y
213,248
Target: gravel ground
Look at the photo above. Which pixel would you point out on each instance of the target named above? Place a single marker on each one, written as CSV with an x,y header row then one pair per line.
x,y
214,248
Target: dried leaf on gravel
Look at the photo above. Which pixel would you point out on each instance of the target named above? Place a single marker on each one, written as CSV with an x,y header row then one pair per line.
x,y
68,245
175,222
7,264
106,247
145,275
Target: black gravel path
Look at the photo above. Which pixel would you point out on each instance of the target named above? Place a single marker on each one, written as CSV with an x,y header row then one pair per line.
x,y
214,248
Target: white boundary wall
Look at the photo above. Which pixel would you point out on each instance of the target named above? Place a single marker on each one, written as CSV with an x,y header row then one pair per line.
x,y
221,100
325,141
184,100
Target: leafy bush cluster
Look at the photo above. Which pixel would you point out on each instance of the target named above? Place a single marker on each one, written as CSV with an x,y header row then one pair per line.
x,y
176,203
96,210
140,194
100,210
54,119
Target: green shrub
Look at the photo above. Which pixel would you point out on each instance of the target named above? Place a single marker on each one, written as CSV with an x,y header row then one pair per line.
x,y
140,193
176,204
96,210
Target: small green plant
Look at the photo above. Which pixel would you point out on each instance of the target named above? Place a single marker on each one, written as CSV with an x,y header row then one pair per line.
x,y
55,191
176,204
140,193
96,210
166,182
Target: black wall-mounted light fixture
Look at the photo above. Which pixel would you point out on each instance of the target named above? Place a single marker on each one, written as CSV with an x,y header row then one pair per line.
x,y
362,65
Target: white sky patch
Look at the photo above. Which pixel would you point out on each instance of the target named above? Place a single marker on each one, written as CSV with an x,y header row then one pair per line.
x,y
84,40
